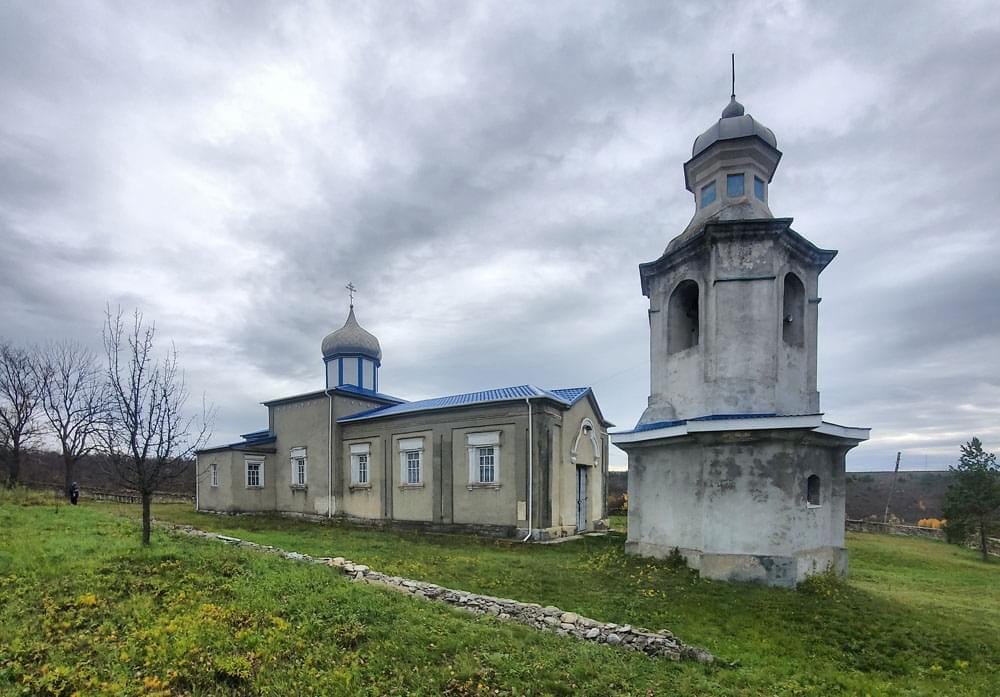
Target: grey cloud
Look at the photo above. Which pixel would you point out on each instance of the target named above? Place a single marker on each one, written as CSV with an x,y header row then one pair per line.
x,y
427,144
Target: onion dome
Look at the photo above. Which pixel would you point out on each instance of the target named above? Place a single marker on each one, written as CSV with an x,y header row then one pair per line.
x,y
735,123
352,339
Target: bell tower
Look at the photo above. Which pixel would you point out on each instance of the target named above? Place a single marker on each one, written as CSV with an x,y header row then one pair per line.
x,y
733,300
731,462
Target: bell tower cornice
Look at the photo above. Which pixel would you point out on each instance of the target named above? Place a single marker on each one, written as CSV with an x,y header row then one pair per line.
x,y
685,247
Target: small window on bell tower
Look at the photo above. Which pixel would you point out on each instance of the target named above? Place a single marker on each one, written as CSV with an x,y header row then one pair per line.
x,y
707,194
734,185
683,317
758,188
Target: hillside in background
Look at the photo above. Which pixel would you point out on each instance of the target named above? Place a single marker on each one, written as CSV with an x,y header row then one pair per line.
x,y
917,494
43,469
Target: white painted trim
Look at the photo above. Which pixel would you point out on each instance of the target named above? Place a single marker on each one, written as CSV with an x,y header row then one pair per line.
x,y
253,460
852,432
484,438
813,422
593,442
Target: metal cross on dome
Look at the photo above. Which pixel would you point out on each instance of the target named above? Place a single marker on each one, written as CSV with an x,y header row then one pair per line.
x,y
351,289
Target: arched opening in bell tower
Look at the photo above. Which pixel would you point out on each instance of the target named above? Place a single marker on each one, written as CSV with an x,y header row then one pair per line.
x,y
682,317
793,311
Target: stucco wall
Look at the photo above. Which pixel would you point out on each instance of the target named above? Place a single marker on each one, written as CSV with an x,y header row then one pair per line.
x,y
740,364
232,494
445,496
495,505
301,424
361,501
575,445
687,493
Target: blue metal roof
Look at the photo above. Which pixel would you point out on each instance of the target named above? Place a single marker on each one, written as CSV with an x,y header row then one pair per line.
x,y
249,440
565,396
571,394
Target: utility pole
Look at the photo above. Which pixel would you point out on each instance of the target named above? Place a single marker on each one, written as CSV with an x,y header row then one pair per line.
x,y
892,486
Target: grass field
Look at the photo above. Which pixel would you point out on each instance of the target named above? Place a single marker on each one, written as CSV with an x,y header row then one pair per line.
x,y
83,608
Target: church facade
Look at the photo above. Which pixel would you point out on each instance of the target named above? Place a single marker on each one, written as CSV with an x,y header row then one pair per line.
x,y
515,462
732,463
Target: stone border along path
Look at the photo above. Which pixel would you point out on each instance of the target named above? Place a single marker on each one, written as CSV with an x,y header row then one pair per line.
x,y
661,644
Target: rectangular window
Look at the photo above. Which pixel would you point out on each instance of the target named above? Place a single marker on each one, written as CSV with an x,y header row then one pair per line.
x,y
350,370
368,376
734,185
411,456
707,194
298,466
213,471
255,473
360,452
484,452
413,467
758,188
487,465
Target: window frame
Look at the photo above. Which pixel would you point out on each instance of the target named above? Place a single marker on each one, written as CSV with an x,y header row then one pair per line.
x,y
298,458
358,451
248,462
411,450
213,475
730,179
709,188
476,445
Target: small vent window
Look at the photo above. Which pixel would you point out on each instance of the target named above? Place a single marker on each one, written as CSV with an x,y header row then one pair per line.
x,y
812,490
682,317
707,194
793,312
758,188
734,185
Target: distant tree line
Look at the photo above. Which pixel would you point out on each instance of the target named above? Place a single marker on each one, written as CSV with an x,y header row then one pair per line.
x,y
129,409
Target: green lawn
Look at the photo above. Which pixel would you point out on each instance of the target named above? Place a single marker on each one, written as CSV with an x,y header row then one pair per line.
x,y
83,607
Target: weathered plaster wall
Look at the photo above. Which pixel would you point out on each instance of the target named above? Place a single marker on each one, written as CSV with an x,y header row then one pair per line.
x,y
364,501
489,504
301,424
741,364
689,493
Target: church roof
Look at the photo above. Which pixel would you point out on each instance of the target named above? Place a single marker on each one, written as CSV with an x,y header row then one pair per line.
x,y
564,396
352,339
733,124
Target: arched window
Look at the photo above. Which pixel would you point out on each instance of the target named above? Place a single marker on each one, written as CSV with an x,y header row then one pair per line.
x,y
812,490
793,312
682,317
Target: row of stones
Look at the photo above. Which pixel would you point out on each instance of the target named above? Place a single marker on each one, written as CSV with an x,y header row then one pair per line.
x,y
661,644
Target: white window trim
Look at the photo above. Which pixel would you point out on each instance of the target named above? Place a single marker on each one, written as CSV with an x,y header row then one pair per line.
x,y
213,474
359,450
294,455
475,442
407,446
250,460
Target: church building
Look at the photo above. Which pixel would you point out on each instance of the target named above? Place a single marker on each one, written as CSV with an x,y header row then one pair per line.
x,y
519,461
732,463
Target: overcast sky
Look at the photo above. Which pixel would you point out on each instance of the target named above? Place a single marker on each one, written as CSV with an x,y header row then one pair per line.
x,y
490,176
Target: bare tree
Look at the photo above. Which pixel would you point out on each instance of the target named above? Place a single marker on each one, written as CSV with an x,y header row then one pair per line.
x,y
146,435
20,393
73,401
